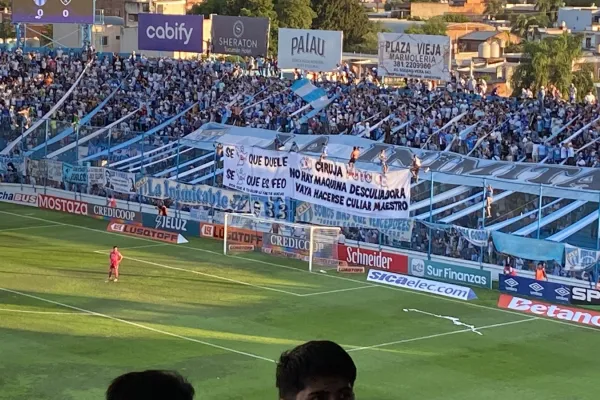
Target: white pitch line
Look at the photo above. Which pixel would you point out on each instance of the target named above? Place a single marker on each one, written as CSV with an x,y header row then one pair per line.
x,y
148,328
135,247
208,275
376,346
465,303
337,291
42,312
27,227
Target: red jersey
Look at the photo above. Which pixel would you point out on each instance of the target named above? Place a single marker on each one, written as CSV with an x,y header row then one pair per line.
x,y
115,258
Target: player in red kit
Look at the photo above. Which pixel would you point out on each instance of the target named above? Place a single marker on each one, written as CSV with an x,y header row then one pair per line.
x,y
115,259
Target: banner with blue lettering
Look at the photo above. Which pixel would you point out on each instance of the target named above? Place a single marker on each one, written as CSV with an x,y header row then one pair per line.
x,y
549,291
172,224
398,229
75,174
194,195
479,237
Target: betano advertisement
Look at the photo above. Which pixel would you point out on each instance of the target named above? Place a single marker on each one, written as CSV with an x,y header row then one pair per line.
x,y
451,273
552,311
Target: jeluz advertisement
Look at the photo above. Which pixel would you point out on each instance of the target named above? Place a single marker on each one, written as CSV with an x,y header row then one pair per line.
x,y
171,224
357,256
549,291
451,273
421,285
160,32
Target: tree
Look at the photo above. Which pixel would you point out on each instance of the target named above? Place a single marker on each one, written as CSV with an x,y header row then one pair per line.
x,y
523,22
583,80
494,7
294,13
433,26
550,62
348,16
549,7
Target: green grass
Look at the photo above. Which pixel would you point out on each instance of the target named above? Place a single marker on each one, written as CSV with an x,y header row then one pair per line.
x,y
220,320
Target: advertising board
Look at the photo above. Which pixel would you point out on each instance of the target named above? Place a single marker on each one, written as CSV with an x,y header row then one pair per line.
x,y
146,233
356,256
585,296
53,11
242,36
309,49
172,224
414,56
520,285
421,285
9,196
235,235
421,267
105,212
161,32
559,312
63,205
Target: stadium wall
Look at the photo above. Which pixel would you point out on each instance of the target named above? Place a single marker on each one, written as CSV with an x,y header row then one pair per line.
x,y
81,204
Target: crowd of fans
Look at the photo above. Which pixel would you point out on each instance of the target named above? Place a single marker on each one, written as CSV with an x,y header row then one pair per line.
x,y
460,117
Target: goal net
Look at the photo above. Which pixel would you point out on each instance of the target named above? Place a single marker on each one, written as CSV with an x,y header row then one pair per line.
x,y
317,245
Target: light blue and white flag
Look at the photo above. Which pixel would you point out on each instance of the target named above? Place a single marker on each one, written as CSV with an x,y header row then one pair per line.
x,y
316,97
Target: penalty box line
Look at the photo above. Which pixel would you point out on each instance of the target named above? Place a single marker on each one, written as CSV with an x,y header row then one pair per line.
x,y
416,339
138,325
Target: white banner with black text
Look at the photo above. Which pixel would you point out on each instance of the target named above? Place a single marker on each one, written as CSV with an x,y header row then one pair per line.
x,y
356,191
414,56
257,171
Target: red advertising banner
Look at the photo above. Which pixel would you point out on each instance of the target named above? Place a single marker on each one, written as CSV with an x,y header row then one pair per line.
x,y
62,205
234,235
356,256
553,311
147,233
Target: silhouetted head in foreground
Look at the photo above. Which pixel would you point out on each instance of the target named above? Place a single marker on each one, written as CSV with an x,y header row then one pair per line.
x,y
150,385
317,370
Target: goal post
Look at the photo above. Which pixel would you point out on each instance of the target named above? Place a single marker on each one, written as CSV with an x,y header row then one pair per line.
x,y
316,245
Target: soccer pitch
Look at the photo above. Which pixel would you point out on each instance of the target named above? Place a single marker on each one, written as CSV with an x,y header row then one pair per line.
x,y
222,321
